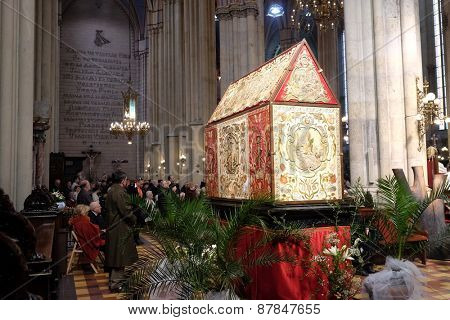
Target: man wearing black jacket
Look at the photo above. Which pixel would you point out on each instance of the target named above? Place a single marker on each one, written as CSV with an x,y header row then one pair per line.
x,y
85,195
95,214
163,191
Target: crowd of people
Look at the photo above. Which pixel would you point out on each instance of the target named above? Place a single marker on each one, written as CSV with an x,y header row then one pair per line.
x,y
105,220
82,191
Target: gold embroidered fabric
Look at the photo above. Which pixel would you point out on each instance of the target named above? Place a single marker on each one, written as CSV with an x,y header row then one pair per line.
x,y
305,84
256,87
234,177
307,164
283,148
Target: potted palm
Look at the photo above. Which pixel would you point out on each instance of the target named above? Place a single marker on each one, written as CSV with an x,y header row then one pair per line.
x,y
194,253
363,199
397,219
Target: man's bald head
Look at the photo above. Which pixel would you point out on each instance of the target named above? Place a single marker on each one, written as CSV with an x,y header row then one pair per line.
x,y
95,207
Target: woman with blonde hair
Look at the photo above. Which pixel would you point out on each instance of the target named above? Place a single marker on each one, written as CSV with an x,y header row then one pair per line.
x,y
88,234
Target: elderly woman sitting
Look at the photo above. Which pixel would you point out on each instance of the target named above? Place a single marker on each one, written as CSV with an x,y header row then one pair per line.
x,y
88,234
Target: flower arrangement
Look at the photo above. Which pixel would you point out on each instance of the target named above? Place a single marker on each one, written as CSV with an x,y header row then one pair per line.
x,y
58,196
334,263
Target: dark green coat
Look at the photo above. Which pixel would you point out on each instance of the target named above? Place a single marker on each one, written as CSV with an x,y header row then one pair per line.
x,y
120,250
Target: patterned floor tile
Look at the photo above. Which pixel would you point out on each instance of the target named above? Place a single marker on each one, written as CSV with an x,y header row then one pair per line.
x,y
94,286
91,286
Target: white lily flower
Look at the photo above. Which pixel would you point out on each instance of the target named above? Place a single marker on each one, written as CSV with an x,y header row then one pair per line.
x,y
333,251
346,255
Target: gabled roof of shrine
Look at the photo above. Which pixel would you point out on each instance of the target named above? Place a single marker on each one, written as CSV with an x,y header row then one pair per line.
x,y
294,76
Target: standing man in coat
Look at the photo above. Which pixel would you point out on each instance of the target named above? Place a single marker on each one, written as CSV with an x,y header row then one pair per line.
x,y
120,246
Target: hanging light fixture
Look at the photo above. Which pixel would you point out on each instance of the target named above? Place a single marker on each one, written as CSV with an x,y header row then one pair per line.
x,y
327,14
129,127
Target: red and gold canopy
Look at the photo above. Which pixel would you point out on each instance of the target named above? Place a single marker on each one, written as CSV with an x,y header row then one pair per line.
x,y
277,131
293,76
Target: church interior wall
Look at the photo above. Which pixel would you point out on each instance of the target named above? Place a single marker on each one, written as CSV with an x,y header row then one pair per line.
x,y
94,71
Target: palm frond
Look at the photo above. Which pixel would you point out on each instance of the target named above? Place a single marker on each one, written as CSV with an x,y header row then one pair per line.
x,y
399,212
196,251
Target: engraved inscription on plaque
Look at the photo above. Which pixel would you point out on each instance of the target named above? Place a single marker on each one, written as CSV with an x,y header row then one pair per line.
x,y
91,98
94,70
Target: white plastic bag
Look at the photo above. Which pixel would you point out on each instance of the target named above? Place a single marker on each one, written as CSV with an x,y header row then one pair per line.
x,y
399,280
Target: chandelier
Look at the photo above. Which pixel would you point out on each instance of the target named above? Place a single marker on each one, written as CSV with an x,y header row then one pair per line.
x,y
327,14
128,127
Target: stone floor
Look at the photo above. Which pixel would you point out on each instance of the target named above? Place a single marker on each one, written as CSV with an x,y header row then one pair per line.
x,y
91,286
94,286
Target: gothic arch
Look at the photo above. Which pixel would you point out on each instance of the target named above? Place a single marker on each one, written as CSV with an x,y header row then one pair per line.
x,y
137,25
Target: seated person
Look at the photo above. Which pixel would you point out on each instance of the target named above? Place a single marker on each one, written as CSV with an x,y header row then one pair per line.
x,y
149,201
95,214
17,227
13,271
88,234
191,191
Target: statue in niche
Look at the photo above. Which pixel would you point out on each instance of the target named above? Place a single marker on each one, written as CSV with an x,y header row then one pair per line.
x,y
100,40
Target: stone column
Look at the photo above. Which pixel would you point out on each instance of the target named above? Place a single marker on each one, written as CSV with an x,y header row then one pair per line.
x,y
446,12
241,32
225,58
47,72
390,90
412,68
16,98
8,106
182,59
25,98
383,60
174,155
156,158
361,91
329,57
198,153
261,32
201,99
154,84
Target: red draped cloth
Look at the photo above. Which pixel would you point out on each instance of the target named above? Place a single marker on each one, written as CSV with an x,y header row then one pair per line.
x,y
286,281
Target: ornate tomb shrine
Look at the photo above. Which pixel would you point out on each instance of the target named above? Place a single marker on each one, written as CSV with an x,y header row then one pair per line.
x,y
277,131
